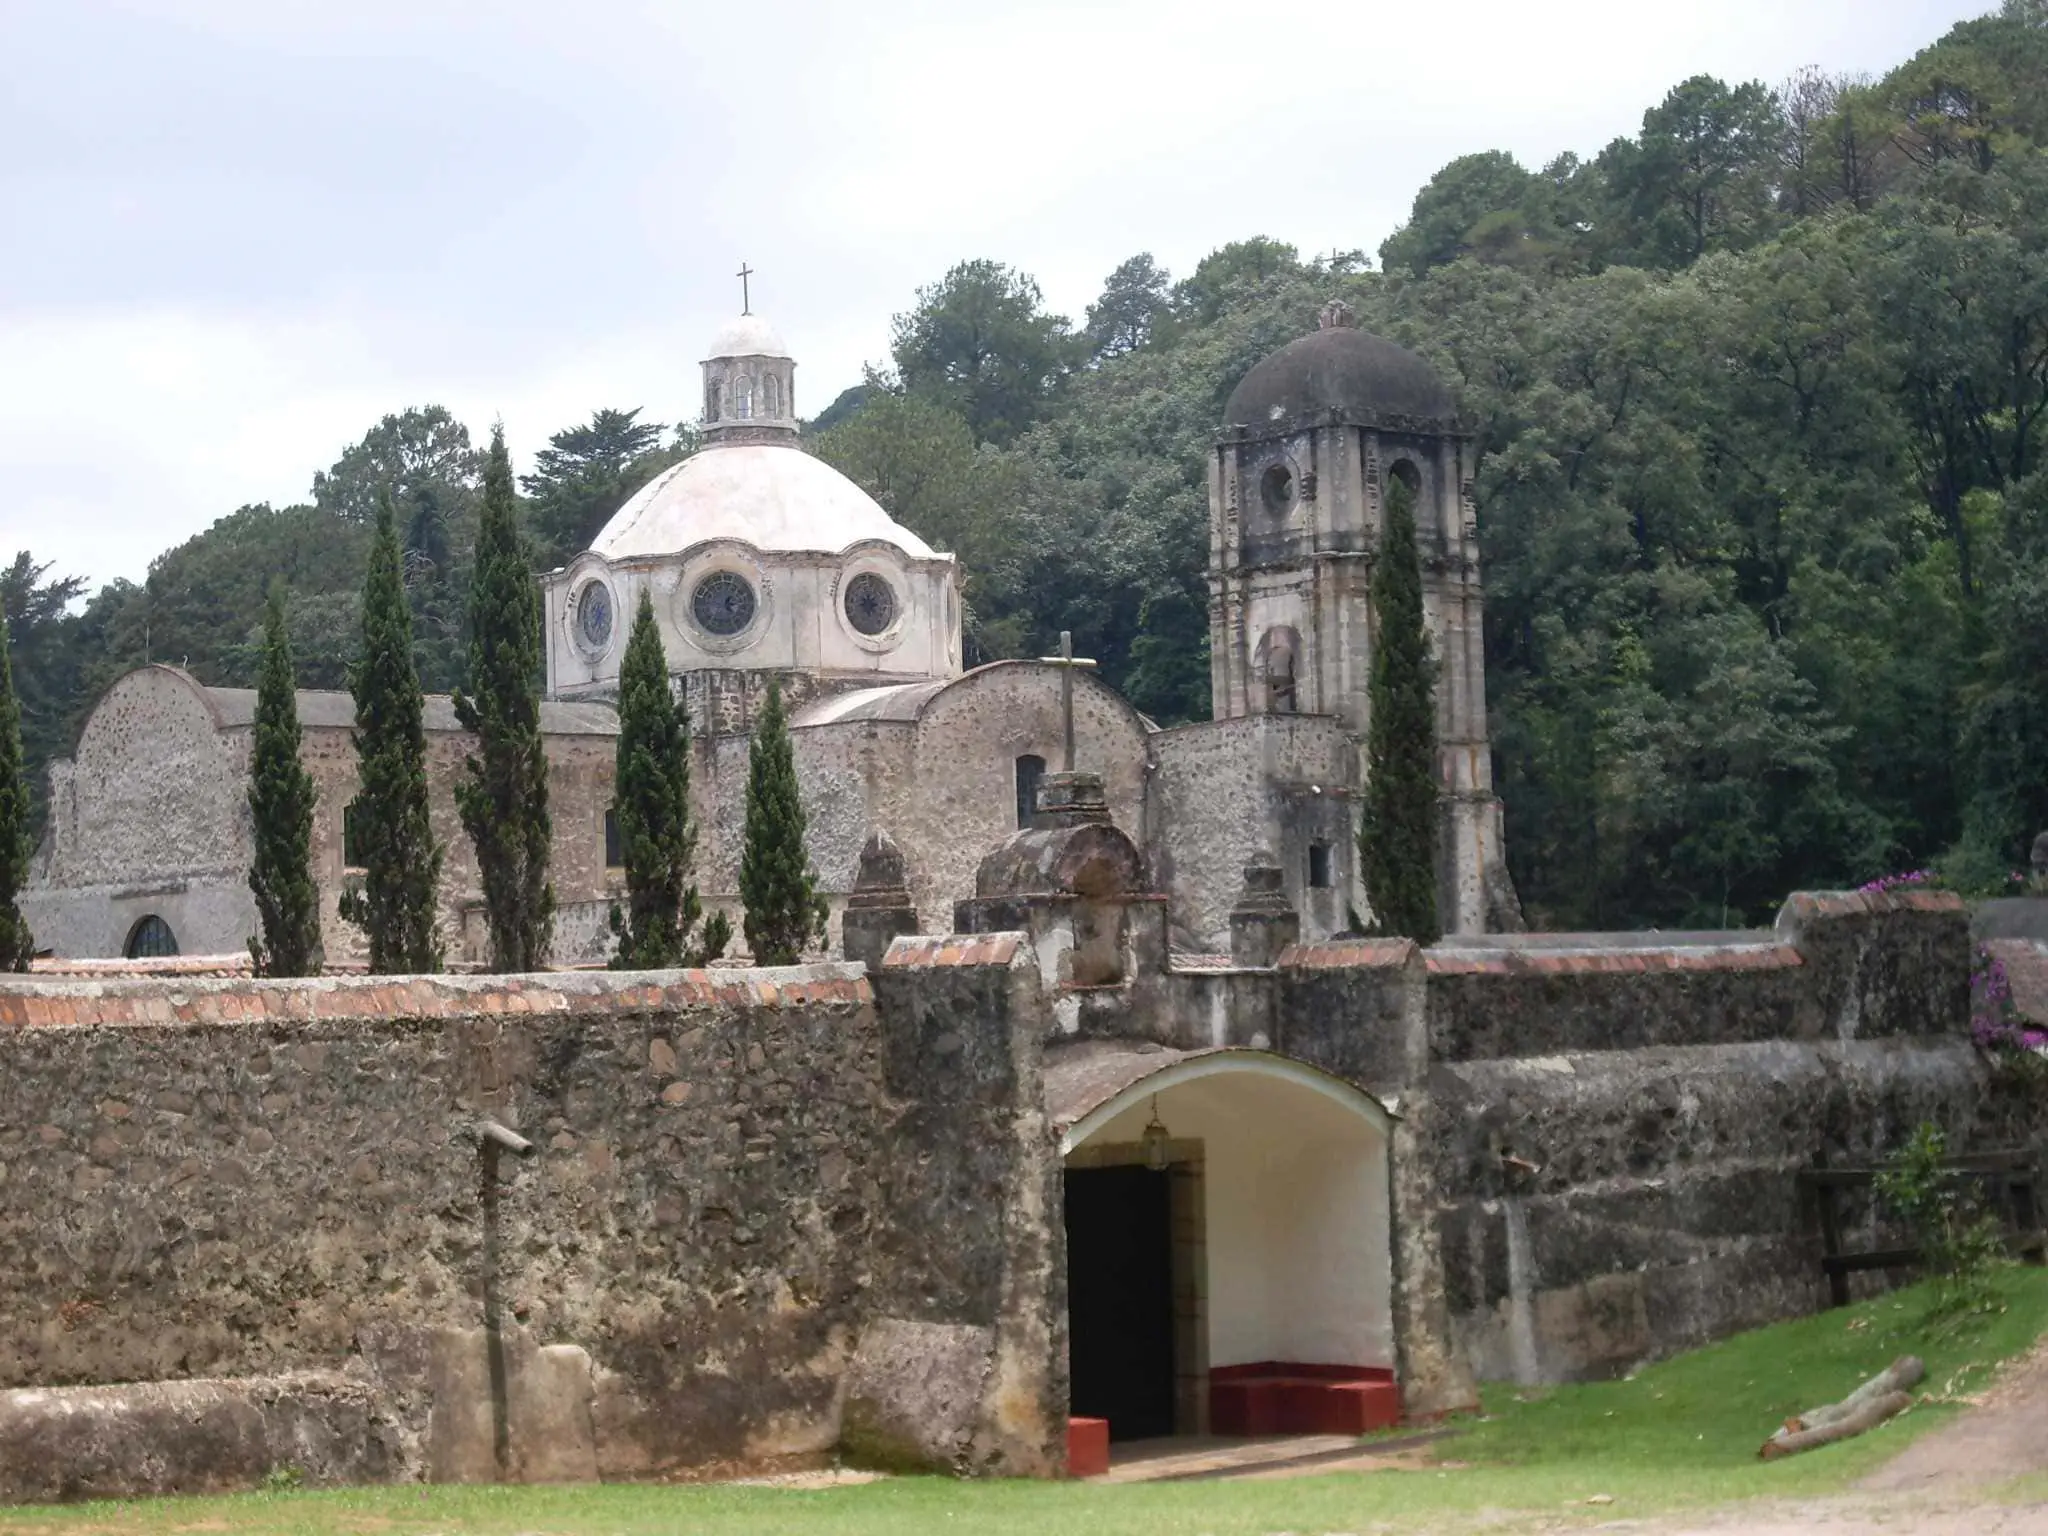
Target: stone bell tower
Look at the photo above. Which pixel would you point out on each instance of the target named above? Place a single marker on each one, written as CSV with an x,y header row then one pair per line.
x,y
1315,439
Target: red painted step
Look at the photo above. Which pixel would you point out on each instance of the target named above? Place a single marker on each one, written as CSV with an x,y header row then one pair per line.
x,y
1087,1447
1276,1397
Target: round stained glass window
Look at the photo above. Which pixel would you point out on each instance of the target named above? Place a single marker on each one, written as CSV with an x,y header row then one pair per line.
x,y
594,615
723,603
870,603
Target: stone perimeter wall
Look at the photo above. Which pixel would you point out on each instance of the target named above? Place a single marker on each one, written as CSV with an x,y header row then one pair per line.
x,y
267,1198
1664,1097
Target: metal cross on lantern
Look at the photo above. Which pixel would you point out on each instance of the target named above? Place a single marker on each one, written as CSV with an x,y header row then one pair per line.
x,y
746,298
1066,661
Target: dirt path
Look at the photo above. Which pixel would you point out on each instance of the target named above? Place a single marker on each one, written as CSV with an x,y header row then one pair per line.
x,y
1936,1486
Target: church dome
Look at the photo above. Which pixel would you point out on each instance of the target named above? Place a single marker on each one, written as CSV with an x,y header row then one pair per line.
x,y
774,496
1352,374
747,336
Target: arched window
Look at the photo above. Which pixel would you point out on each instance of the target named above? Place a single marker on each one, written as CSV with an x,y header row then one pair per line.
x,y
1276,662
771,395
742,397
150,939
1030,769
711,400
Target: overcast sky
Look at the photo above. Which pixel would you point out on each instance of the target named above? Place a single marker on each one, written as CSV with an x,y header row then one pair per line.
x,y
239,231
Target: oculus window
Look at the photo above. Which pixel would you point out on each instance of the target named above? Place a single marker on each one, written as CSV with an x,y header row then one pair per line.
x,y
723,603
594,616
870,603
1276,490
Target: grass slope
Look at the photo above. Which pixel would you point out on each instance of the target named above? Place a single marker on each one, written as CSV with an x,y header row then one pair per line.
x,y
1682,1432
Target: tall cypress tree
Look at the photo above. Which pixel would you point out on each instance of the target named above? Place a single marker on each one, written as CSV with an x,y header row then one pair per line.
x,y
656,837
388,825
281,798
1397,833
17,944
503,796
777,887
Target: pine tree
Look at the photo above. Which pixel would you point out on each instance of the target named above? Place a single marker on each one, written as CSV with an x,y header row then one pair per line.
x,y
1397,834
777,887
503,796
388,825
281,798
656,838
17,944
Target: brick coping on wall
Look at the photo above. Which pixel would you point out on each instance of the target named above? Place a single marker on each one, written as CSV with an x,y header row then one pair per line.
x,y
39,1003
1597,953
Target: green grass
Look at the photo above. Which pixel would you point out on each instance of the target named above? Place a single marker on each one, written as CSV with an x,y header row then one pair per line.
x,y
1681,1433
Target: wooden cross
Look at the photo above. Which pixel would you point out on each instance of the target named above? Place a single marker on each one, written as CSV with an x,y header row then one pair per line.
x,y
746,298
1066,661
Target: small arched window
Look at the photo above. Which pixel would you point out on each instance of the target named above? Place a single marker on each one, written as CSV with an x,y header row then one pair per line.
x,y
150,939
742,397
771,395
1030,769
711,400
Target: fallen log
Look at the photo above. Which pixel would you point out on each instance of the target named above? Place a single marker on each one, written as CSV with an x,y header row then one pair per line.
x,y
1868,1406
1873,1412
1902,1375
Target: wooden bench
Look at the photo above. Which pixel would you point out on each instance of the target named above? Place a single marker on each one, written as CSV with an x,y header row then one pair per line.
x,y
2010,1181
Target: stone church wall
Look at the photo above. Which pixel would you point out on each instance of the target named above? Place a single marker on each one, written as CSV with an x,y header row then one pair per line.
x,y
1229,792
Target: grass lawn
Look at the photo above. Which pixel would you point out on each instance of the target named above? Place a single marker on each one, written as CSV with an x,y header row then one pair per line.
x,y
1683,1432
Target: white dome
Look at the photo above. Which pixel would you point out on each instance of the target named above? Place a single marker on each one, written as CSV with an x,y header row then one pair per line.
x,y
747,336
773,497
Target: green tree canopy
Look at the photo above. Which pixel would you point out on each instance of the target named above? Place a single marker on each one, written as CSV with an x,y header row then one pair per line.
x,y
281,796
778,888
1399,819
388,832
503,792
980,343
586,473
651,804
17,944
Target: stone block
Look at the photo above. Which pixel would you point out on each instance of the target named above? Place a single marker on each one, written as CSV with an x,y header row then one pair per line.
x,y
914,1394
163,1437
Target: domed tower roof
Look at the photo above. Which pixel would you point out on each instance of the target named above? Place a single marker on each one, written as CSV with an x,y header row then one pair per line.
x,y
746,336
1344,374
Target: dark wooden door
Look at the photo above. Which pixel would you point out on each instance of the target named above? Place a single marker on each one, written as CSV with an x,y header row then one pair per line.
x,y
1120,1299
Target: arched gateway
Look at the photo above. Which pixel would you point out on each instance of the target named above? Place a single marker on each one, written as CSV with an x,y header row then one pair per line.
x,y
1229,1252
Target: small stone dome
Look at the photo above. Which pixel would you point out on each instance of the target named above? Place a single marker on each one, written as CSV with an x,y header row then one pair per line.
x,y
1358,376
746,336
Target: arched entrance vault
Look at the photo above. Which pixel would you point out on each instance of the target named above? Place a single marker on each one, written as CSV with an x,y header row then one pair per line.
x,y
1229,1244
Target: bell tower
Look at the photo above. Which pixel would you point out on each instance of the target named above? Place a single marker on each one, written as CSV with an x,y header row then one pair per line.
x,y
1316,439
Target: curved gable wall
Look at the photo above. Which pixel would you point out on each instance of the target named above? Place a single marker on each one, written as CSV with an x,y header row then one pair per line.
x,y
962,799
156,788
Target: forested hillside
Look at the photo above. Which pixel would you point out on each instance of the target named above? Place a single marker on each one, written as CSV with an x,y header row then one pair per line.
x,y
1760,393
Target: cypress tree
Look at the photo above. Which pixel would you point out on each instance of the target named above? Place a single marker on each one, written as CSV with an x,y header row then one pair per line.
x,y
281,810
1397,834
388,821
17,944
656,837
503,795
777,887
